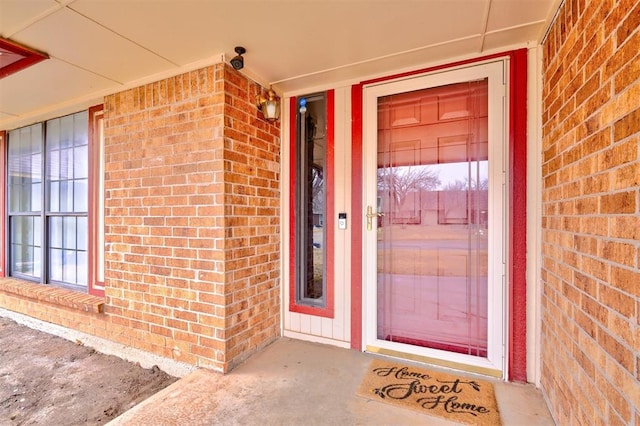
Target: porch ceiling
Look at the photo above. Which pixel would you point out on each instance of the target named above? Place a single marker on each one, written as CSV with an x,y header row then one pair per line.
x,y
100,47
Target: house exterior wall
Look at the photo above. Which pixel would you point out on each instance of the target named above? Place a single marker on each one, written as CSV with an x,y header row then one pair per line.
x,y
591,218
192,221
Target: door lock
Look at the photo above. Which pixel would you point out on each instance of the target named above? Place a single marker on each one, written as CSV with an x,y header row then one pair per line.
x,y
370,215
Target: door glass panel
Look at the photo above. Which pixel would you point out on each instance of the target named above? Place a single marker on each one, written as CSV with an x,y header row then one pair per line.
x,y
432,238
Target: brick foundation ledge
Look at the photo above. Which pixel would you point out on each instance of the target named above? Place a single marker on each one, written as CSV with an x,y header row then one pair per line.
x,y
57,296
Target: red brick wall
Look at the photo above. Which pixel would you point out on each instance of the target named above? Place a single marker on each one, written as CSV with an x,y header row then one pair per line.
x,y
591,219
252,221
192,218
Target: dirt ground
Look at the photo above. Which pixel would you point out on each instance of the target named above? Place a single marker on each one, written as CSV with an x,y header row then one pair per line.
x,y
45,379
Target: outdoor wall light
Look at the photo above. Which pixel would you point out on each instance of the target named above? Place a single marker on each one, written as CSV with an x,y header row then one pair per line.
x,y
269,105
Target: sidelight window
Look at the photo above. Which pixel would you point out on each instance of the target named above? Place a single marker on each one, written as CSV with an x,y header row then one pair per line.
x,y
312,216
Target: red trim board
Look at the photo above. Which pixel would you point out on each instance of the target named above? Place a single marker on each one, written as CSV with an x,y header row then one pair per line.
x,y
96,113
3,203
18,57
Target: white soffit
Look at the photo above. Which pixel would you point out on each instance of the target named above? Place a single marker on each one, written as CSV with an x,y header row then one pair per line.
x,y
419,58
107,46
513,13
48,83
14,14
180,31
91,47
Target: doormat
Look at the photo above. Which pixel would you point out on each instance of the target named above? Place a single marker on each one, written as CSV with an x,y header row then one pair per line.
x,y
455,398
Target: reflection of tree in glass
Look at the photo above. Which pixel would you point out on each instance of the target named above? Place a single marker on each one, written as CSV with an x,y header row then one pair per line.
x,y
400,181
464,185
466,198
314,288
317,189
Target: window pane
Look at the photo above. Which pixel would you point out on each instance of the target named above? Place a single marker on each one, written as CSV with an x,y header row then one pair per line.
x,y
25,191
55,267
66,196
81,162
53,134
66,164
69,232
14,199
36,167
310,202
80,196
69,266
36,139
82,270
37,262
68,242
55,232
36,197
54,196
18,232
14,147
37,231
25,198
81,128
22,256
24,139
24,164
82,231
25,247
27,229
16,257
53,164
66,131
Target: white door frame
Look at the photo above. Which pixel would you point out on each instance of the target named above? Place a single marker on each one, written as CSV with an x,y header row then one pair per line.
x,y
495,362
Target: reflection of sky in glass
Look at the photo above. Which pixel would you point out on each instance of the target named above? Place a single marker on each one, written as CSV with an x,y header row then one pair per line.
x,y
449,173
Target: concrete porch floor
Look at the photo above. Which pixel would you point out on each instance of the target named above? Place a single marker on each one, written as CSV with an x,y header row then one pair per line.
x,y
292,382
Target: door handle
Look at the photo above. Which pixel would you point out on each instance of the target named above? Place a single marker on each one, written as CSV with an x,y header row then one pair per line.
x,y
370,215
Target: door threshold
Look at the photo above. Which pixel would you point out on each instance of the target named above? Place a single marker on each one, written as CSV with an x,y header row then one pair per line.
x,y
485,371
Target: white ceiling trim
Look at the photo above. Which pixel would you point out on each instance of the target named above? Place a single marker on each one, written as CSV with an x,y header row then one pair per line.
x,y
485,19
515,27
